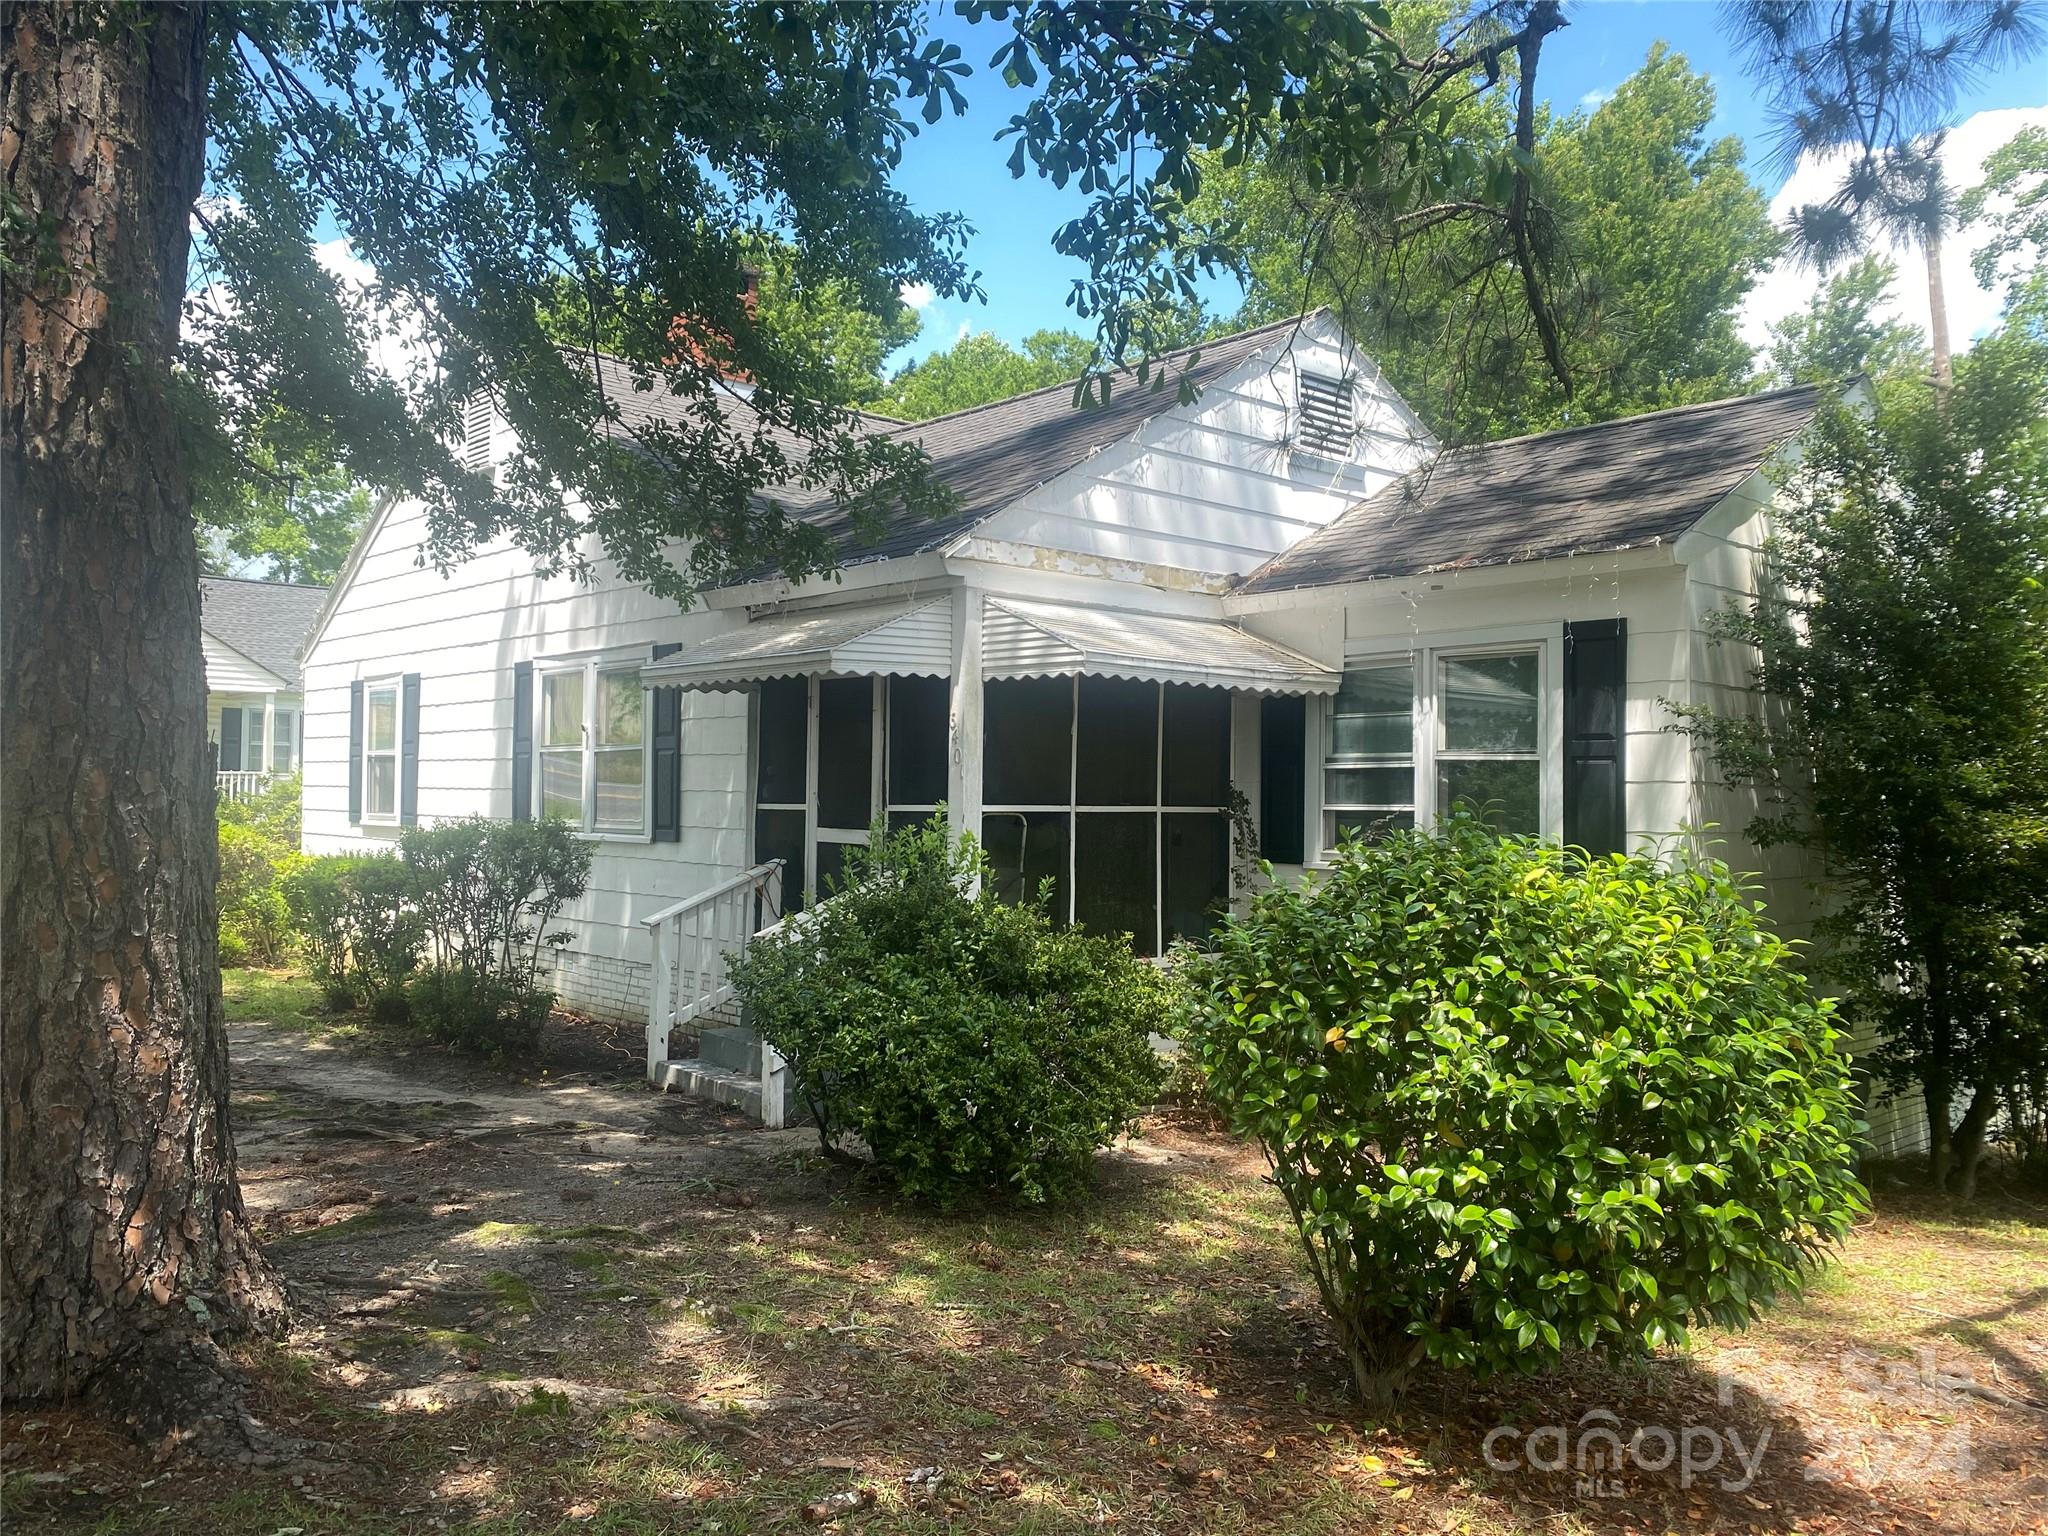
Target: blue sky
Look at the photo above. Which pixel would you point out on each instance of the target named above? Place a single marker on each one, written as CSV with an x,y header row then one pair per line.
x,y
957,165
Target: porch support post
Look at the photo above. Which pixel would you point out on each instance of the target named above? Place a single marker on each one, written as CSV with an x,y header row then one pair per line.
x,y
963,755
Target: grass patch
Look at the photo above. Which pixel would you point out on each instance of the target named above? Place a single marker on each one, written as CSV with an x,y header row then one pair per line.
x,y
290,998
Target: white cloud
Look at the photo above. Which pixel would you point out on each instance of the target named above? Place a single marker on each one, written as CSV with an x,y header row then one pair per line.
x,y
917,295
961,334
1598,97
1972,309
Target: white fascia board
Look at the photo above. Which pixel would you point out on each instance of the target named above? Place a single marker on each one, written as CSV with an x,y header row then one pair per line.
x,y
1640,557
867,577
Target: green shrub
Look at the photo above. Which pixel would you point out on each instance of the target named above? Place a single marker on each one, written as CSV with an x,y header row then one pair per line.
x,y
970,1045
485,892
274,811
361,929
1521,1103
255,925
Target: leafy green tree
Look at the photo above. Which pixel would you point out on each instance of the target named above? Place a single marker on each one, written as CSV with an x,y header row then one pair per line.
x,y
1903,649
2013,198
1843,332
982,367
1870,89
1654,235
472,155
302,524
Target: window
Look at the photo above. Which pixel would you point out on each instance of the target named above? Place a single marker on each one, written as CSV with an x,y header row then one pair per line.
x,y
1114,790
1408,740
590,748
284,738
380,751
1486,752
1327,428
1369,766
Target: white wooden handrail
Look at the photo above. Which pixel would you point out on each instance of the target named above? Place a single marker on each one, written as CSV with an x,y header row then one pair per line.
x,y
694,941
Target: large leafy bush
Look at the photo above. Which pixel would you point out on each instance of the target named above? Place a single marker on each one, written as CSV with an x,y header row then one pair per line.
x,y
972,1046
485,892
362,932
255,925
259,842
1521,1103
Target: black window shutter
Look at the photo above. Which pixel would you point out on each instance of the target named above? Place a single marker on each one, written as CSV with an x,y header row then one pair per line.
x,y
522,741
231,737
355,751
1596,735
668,757
1283,749
409,750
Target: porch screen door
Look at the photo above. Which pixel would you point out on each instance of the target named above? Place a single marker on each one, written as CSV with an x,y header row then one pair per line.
x,y
847,768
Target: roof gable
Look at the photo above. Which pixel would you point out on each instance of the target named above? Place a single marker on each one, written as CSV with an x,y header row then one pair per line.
x,y
1611,486
265,621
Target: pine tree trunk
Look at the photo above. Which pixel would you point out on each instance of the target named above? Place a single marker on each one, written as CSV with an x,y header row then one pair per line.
x,y
127,1251
1937,318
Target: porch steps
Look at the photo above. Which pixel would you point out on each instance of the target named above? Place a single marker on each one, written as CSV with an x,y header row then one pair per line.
x,y
730,1046
709,1080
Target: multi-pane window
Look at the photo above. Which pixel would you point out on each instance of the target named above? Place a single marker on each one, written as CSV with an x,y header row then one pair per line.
x,y
1369,768
1486,751
380,751
590,748
1471,735
1114,791
284,738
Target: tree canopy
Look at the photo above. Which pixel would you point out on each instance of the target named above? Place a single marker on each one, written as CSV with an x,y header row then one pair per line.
x,y
1843,332
1654,235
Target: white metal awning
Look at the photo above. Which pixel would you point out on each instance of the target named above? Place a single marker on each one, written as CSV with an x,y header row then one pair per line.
x,y
863,640
1030,639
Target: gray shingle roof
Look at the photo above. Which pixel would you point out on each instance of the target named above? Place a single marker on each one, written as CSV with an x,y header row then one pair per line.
x,y
265,620
988,455
1641,480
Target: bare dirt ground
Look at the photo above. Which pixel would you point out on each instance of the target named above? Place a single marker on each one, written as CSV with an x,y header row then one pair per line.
x,y
570,1305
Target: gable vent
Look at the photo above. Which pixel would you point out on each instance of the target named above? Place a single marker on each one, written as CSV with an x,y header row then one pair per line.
x,y
477,420
1327,427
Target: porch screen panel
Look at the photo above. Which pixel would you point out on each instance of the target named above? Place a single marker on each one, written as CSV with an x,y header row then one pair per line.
x,y
779,770
919,709
780,835
1028,741
1116,758
1115,876
846,764
1026,848
1195,855
1195,758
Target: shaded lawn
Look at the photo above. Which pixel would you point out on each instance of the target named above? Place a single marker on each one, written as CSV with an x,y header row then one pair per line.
x,y
706,1334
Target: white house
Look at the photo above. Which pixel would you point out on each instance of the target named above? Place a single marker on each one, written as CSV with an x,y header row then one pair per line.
x,y
1282,587
252,633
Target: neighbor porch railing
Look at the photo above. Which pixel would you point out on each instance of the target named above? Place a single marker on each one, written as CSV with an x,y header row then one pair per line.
x,y
240,783
694,941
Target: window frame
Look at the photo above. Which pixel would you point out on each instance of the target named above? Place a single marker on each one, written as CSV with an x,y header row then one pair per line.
x,y
284,734
1426,658
372,686
593,667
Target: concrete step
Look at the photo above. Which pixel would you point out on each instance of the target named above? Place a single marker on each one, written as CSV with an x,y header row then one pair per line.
x,y
708,1080
730,1046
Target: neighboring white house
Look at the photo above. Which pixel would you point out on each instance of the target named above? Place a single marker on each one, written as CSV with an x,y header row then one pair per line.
x,y
253,633
1281,588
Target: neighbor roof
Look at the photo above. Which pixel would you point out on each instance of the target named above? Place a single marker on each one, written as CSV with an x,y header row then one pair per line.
x,y
265,621
1641,480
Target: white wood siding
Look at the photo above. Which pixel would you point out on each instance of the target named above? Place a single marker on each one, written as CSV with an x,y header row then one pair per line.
x,y
1216,487
463,633
229,671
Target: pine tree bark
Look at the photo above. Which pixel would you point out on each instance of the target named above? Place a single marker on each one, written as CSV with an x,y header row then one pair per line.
x,y
127,1250
1937,319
